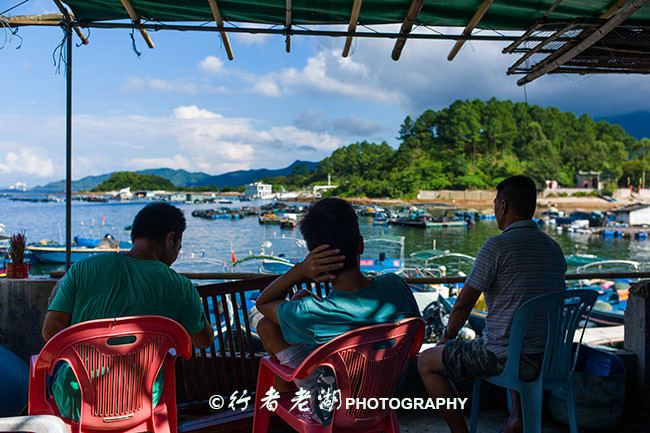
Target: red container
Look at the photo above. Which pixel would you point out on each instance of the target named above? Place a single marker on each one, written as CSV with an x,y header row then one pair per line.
x,y
17,270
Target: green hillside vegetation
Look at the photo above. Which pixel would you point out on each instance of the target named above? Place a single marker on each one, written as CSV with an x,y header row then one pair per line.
x,y
474,144
136,181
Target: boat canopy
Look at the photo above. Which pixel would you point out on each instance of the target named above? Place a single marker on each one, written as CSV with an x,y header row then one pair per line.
x,y
427,254
386,238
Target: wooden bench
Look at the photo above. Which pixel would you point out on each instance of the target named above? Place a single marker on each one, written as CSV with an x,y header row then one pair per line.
x,y
230,364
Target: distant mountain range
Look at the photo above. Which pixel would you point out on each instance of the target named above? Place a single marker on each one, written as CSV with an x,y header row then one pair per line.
x,y
183,177
636,124
244,177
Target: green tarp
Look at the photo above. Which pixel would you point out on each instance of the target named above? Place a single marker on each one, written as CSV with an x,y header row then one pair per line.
x,y
501,15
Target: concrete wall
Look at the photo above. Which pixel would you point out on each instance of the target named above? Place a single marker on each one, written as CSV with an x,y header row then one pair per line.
x,y
457,195
23,304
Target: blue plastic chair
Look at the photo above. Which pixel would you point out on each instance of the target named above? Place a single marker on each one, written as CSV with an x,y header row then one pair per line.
x,y
563,310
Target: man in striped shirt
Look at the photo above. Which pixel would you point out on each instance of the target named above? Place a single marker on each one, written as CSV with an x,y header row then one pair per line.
x,y
511,268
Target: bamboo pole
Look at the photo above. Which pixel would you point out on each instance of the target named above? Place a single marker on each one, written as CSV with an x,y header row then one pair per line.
x,y
136,19
224,37
37,20
69,17
613,9
539,46
468,30
545,67
407,25
352,27
288,25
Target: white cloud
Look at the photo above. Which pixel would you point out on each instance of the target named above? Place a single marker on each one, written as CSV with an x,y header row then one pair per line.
x,y
26,160
190,138
211,65
326,72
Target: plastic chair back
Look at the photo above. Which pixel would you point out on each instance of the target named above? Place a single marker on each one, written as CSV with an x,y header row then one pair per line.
x,y
367,363
563,311
116,362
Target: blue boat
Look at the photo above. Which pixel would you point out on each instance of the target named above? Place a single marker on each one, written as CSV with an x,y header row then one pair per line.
x,y
81,249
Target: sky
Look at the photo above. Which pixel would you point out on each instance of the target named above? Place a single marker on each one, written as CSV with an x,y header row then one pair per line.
x,y
184,105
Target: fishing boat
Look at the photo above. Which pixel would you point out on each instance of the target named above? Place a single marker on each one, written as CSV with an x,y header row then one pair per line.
x,y
609,309
442,263
81,249
383,263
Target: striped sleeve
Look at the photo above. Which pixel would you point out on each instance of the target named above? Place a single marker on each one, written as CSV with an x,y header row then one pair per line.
x,y
484,271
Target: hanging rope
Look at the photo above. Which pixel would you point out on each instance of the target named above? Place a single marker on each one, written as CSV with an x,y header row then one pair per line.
x,y
9,32
87,38
135,49
58,55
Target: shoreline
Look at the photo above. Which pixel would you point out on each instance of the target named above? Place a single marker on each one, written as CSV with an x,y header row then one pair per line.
x,y
561,203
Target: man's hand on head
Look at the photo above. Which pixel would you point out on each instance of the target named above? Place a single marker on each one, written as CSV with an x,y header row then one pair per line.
x,y
320,262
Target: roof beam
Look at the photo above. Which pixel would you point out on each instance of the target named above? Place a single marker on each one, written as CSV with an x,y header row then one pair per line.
x,y
510,48
541,69
68,17
478,15
352,27
287,24
541,45
136,19
613,9
219,20
407,25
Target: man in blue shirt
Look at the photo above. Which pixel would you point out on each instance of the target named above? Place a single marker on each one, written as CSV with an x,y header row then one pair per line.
x,y
291,330
511,268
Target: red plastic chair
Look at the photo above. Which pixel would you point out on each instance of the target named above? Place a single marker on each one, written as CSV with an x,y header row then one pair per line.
x,y
367,363
116,375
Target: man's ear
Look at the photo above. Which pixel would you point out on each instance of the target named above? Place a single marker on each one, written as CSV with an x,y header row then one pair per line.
x,y
169,239
360,247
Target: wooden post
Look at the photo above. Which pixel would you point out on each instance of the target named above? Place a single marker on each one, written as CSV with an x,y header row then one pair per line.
x,y
288,24
224,37
68,146
468,30
136,19
407,25
637,340
352,27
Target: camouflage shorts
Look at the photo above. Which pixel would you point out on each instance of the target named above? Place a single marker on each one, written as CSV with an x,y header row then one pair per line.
x,y
463,359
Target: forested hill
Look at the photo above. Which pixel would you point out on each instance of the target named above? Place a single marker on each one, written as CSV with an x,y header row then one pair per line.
x,y
476,144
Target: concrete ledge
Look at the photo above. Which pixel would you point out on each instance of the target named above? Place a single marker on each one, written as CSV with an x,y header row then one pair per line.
x,y
23,304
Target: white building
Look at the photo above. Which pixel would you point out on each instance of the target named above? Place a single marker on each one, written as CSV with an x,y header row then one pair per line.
x,y
633,214
258,190
19,186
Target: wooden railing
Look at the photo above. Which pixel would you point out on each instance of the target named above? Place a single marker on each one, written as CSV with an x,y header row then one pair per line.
x,y
230,364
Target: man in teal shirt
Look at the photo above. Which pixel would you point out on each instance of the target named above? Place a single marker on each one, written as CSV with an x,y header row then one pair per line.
x,y
291,330
136,283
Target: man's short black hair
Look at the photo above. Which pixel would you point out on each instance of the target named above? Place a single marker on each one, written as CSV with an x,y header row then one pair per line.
x,y
155,220
333,221
520,193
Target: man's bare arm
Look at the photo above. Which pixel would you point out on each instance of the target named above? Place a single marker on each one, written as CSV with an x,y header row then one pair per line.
x,y
316,266
55,321
203,338
461,310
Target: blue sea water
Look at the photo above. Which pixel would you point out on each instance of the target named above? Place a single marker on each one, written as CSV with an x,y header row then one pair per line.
x,y
206,243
